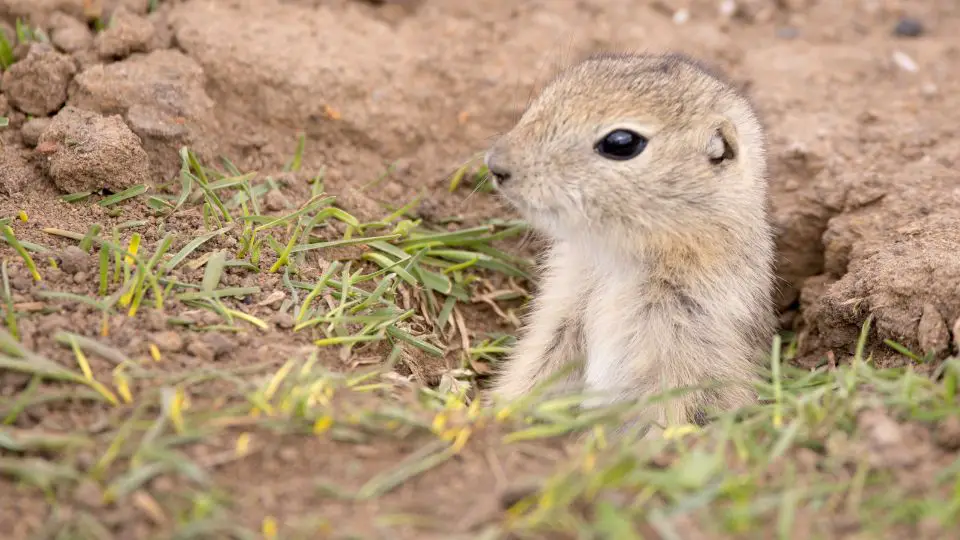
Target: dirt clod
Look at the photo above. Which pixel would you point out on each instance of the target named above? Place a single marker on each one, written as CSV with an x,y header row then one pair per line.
x,y
128,33
69,34
282,320
37,85
161,94
74,260
90,152
201,350
167,341
275,201
219,344
32,129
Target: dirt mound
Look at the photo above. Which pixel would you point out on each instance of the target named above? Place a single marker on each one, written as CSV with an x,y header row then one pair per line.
x,y
162,97
89,152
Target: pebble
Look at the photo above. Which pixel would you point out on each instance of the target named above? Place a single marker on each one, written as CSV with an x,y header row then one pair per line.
x,y
32,129
275,201
908,27
282,320
219,343
74,259
21,283
85,461
201,350
168,341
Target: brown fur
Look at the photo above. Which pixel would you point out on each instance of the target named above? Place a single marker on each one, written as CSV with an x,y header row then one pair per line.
x,y
660,271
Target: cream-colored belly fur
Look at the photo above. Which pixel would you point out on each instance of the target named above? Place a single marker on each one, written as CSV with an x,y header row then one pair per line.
x,y
636,337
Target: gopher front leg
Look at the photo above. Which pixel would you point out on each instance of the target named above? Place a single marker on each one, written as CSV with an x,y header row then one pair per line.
x,y
554,334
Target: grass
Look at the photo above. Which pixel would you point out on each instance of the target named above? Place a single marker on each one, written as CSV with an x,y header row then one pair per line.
x,y
24,34
397,294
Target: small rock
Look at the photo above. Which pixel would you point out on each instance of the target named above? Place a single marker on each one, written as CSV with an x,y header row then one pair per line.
x,y
219,343
85,460
80,277
932,331
21,283
89,152
908,27
275,201
74,259
128,33
32,129
282,320
201,350
168,341
37,85
154,320
69,34
15,172
947,434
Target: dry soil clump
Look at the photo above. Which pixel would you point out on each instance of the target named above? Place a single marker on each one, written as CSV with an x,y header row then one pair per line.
x,y
89,152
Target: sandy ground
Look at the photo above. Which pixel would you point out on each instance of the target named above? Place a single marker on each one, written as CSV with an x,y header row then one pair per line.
x,y
862,118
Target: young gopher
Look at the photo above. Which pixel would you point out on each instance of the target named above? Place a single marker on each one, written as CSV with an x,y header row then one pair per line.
x,y
648,175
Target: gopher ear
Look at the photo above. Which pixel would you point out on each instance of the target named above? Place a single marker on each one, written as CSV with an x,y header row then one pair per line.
x,y
722,145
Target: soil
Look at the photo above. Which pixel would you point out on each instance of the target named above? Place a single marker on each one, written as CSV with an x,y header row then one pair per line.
x,y
864,144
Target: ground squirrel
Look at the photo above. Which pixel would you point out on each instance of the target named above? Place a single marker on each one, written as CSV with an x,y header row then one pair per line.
x,y
648,175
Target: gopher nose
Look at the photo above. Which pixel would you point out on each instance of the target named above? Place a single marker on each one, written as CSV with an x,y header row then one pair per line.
x,y
498,169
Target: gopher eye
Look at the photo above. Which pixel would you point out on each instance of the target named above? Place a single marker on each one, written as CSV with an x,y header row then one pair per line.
x,y
621,145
